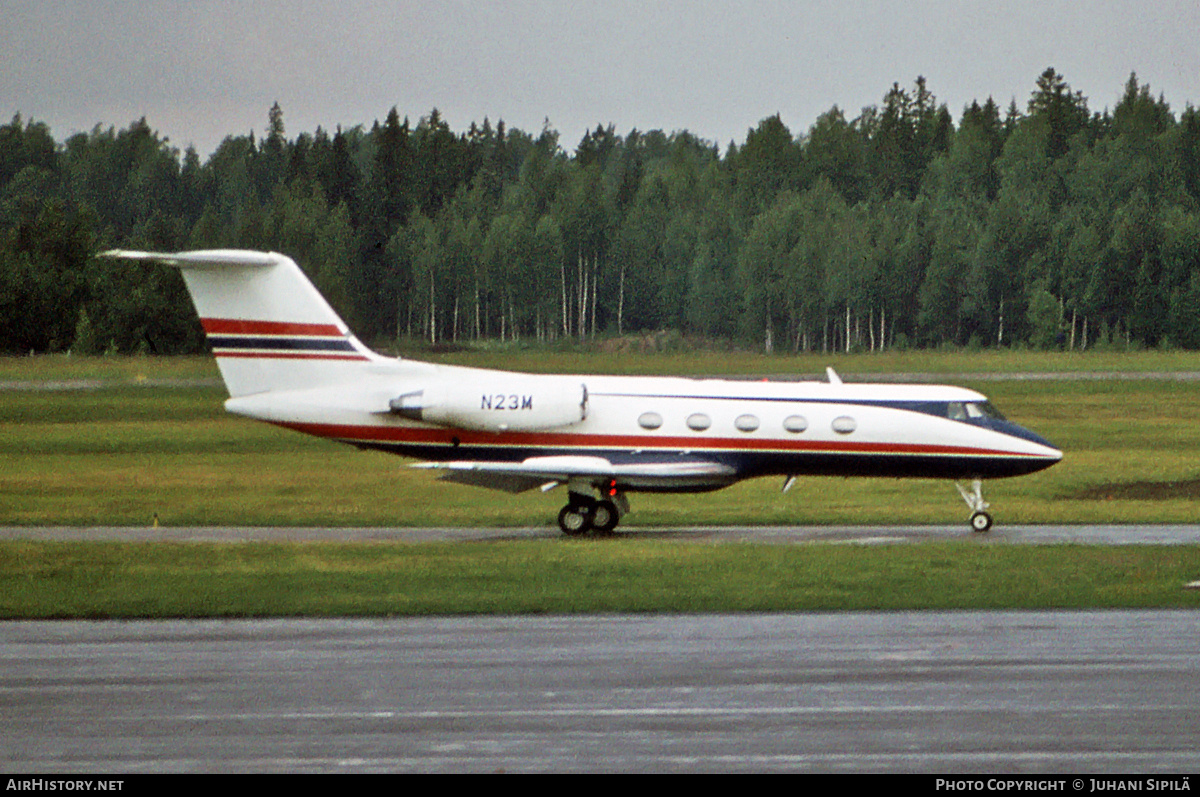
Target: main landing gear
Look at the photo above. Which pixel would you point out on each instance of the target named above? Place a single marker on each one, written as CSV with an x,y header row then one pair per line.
x,y
981,521
583,513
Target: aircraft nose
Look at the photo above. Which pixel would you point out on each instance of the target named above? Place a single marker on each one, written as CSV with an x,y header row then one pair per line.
x,y
1044,454
1051,453
1049,450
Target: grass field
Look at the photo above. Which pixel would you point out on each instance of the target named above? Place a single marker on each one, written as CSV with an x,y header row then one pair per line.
x,y
151,440
106,580
134,441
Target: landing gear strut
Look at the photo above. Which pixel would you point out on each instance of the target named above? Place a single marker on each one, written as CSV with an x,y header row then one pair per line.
x,y
981,521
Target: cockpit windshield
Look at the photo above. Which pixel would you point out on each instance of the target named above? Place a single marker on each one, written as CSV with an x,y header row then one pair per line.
x,y
966,411
983,409
970,410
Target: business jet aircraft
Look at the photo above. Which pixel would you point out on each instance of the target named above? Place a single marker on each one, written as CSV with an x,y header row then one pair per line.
x,y
288,359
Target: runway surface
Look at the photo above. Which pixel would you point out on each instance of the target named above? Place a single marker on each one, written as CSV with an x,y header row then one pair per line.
x,y
937,692
958,692
866,535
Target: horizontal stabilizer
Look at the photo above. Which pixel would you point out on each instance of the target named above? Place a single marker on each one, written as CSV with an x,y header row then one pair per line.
x,y
213,258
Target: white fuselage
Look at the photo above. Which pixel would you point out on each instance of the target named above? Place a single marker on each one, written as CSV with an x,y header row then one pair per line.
x,y
753,427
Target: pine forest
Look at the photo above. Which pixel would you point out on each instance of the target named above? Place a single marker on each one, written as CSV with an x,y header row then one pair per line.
x,y
1044,225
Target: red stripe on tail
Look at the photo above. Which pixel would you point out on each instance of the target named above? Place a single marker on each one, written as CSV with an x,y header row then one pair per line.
x,y
235,326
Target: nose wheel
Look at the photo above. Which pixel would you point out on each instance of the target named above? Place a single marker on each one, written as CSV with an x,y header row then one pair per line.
x,y
981,521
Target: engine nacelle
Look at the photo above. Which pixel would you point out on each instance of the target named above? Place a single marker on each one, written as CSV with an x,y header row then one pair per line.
x,y
499,403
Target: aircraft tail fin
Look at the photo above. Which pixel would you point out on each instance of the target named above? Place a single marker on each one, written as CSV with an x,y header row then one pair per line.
x,y
268,326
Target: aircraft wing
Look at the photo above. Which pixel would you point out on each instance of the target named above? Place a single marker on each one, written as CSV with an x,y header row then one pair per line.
x,y
547,472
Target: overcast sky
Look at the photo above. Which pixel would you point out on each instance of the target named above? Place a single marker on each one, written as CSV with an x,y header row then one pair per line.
x,y
200,70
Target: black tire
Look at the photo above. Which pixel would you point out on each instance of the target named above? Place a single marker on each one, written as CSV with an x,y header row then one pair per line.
x,y
605,517
981,522
573,522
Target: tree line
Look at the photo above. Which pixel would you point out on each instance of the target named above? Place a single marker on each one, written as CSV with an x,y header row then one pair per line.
x,y
1048,226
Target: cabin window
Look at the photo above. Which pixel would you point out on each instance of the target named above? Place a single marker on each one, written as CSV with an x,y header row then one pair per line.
x,y
746,423
650,420
844,424
955,411
698,422
795,423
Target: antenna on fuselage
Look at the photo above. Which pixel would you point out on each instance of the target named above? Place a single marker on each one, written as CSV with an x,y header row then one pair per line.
x,y
834,379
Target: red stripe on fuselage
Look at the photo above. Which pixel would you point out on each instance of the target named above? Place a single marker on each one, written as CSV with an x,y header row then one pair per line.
x,y
294,355
401,435
237,326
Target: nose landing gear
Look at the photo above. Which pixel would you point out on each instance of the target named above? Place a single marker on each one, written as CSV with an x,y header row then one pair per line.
x,y
981,521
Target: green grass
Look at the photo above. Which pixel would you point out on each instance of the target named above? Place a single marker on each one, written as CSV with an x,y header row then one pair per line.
x,y
123,369
607,357
152,442
124,454
126,580
614,357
